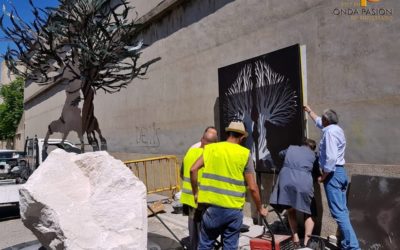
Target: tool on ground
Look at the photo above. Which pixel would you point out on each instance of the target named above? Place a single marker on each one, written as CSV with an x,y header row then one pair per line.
x,y
165,225
270,241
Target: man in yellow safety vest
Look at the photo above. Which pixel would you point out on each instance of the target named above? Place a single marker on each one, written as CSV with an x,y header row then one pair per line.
x,y
209,136
228,167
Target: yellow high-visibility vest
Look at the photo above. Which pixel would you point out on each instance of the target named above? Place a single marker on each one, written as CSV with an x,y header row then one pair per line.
x,y
190,158
223,182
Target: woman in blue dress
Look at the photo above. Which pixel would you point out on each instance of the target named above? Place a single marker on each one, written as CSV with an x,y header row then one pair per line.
x,y
294,190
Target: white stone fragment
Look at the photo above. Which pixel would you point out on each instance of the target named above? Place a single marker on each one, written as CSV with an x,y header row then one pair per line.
x,y
85,201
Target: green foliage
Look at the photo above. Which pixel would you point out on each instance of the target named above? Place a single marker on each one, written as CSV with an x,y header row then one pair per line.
x,y
11,108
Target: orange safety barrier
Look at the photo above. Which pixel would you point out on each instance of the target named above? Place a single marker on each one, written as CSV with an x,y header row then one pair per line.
x,y
159,174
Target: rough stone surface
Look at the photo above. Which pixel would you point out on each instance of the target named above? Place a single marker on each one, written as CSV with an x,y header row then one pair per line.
x,y
86,201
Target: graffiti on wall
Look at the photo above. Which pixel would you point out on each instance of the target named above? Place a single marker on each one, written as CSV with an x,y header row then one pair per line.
x,y
148,135
265,93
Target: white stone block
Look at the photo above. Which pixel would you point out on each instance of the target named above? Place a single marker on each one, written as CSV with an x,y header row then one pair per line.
x,y
85,201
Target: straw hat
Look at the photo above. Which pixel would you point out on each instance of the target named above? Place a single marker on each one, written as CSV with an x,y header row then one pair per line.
x,y
237,127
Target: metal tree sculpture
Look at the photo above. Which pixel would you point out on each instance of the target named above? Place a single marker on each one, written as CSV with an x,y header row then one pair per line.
x,y
91,44
259,95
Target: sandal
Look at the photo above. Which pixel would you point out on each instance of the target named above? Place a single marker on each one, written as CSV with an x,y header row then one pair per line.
x,y
296,245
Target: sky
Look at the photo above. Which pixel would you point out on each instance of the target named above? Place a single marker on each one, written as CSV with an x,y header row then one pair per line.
x,y
24,10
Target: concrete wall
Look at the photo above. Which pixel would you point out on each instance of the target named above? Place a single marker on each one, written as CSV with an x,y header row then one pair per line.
x,y
352,68
349,69
6,75
143,7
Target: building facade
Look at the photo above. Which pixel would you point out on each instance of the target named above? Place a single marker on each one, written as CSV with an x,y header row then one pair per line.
x,y
18,142
352,67
349,70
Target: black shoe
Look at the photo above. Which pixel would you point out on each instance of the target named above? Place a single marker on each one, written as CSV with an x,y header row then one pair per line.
x,y
316,244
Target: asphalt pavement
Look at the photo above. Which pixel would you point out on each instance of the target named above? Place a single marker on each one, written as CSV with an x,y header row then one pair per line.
x,y
12,230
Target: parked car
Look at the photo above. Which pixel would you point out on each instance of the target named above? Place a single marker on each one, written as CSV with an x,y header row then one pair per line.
x,y
16,167
13,168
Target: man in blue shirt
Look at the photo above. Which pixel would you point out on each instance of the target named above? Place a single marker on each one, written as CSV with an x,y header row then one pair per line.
x,y
331,159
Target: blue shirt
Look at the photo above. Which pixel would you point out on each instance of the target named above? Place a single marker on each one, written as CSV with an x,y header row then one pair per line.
x,y
331,146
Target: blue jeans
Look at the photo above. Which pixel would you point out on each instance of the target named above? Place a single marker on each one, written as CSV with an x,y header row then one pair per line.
x,y
335,188
218,221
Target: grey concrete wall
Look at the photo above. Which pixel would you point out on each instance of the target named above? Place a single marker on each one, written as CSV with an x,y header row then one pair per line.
x,y
42,110
143,7
6,76
350,69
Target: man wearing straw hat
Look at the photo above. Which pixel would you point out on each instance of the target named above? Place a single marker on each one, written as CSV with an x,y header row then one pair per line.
x,y
227,169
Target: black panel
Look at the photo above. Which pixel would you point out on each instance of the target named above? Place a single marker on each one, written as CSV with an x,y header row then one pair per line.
x,y
265,92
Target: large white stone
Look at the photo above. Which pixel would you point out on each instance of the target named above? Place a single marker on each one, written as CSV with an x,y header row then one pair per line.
x,y
85,201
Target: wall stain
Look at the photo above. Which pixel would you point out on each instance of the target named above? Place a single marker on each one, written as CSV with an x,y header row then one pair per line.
x,y
357,132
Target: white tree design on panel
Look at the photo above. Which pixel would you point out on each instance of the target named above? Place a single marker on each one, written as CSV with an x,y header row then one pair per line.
x,y
258,95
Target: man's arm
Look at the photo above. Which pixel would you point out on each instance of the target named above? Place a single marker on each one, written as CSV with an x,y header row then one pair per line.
x,y
282,153
314,116
193,175
323,176
181,171
331,155
311,113
254,192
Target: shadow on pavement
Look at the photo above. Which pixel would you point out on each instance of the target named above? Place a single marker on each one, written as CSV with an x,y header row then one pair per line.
x,y
160,242
155,242
31,245
9,212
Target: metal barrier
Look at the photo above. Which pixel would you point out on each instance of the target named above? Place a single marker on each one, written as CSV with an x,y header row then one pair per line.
x,y
159,174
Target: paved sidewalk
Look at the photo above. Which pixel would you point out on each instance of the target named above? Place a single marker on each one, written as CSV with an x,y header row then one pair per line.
x,y
178,224
12,230
15,236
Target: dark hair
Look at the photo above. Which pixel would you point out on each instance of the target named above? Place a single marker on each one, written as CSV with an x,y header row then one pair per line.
x,y
233,134
210,127
310,143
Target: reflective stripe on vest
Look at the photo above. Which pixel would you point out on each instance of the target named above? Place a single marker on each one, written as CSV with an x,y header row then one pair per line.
x,y
190,158
222,182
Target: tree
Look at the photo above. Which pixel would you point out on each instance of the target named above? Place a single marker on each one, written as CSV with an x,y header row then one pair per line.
x,y
12,108
266,97
92,42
